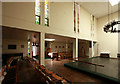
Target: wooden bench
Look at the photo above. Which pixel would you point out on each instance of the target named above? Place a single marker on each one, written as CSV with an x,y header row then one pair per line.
x,y
65,55
49,75
3,70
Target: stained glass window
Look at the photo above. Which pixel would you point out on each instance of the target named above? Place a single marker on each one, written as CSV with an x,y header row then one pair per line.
x,y
78,10
46,13
37,11
74,18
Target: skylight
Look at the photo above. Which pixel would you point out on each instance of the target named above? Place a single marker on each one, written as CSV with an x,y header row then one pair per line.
x,y
114,2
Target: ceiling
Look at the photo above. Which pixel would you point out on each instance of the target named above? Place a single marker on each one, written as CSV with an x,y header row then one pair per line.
x,y
98,9
60,39
63,39
18,34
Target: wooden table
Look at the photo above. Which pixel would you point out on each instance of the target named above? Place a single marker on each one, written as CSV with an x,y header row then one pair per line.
x,y
26,73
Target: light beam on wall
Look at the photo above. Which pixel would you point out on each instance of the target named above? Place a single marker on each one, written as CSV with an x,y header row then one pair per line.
x,y
49,39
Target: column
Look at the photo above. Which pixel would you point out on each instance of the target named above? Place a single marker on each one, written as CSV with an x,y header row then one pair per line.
x,y
1,38
75,48
31,48
42,49
92,48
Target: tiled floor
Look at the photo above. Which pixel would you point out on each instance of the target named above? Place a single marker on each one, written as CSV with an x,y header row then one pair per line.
x,y
71,75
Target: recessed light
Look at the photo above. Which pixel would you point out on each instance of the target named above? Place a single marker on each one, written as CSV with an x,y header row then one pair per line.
x,y
49,39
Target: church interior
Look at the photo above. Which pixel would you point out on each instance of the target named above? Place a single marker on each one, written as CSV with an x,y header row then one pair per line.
x,y
58,42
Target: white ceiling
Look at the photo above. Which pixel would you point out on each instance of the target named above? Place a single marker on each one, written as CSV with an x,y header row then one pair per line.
x,y
98,9
18,34
60,39
63,39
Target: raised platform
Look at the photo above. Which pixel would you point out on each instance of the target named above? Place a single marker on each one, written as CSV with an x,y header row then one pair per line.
x,y
103,67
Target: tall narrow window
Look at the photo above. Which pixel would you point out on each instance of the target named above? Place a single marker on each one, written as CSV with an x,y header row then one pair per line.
x,y
78,9
37,11
46,13
74,18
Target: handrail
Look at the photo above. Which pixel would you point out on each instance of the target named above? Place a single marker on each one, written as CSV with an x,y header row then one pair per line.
x,y
92,63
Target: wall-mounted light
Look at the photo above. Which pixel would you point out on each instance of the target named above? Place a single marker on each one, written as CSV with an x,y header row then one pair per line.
x,y
49,39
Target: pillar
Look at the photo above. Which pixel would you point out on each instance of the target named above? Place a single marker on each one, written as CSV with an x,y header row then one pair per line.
x,y
31,48
42,49
75,48
92,48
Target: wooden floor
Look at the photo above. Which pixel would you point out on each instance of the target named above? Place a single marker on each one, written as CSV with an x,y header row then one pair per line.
x,y
26,73
71,75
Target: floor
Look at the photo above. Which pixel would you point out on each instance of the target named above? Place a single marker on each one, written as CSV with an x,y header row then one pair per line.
x,y
26,73
111,66
69,74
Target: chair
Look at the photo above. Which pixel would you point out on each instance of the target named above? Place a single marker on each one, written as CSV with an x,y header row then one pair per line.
x,y
56,79
3,70
48,75
10,77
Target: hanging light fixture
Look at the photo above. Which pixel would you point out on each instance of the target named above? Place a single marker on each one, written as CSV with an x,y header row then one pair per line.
x,y
110,26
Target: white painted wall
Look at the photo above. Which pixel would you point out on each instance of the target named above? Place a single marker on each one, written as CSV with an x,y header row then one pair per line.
x,y
85,24
95,30
22,15
54,49
107,42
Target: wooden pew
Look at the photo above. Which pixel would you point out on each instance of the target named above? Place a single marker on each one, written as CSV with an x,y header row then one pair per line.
x,y
65,55
49,75
3,70
9,61
10,77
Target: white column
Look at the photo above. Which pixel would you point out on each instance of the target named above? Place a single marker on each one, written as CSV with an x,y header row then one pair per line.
x,y
92,49
31,48
42,48
75,48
